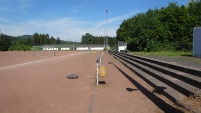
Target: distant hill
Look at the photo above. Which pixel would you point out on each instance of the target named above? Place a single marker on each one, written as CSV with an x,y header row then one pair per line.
x,y
24,36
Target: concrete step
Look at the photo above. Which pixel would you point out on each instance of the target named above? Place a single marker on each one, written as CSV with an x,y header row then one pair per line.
x,y
177,84
166,86
188,78
190,70
168,91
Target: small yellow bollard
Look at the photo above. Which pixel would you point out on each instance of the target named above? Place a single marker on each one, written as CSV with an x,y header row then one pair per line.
x,y
102,70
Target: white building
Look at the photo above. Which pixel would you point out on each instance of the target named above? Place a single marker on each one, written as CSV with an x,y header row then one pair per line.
x,y
122,46
50,48
66,47
93,47
197,42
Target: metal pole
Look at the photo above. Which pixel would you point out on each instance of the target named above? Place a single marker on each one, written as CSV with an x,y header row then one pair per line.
x,y
33,50
54,48
97,72
107,33
104,39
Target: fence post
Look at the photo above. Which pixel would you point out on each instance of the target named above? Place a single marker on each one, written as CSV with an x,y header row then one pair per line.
x,y
97,72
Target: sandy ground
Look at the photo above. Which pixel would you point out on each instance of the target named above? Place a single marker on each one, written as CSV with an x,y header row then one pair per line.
x,y
39,84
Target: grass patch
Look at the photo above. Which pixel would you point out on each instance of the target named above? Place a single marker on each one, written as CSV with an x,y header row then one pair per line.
x,y
164,53
37,48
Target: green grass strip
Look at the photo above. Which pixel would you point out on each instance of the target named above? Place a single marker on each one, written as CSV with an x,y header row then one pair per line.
x,y
164,53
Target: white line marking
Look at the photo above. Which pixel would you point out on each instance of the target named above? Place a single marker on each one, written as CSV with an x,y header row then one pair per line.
x,y
36,61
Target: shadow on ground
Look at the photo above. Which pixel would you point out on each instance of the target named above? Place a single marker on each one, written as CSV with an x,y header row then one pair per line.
x,y
102,82
156,100
187,55
131,89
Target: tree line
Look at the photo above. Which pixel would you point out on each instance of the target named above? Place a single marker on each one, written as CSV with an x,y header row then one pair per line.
x,y
43,39
25,43
90,39
167,28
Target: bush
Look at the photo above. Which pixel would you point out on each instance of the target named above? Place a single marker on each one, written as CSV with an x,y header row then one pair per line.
x,y
19,48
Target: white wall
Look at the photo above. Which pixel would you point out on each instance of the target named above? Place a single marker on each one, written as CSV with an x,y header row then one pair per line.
x,y
65,48
82,48
78,48
121,48
50,48
97,48
197,42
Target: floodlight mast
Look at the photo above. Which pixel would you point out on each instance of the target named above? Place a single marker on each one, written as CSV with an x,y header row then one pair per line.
x,y
107,33
104,39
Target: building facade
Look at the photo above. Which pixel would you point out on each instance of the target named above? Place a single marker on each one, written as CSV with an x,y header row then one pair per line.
x,y
66,47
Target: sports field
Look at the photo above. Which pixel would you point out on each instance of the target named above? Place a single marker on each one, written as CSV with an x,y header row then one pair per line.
x,y
38,84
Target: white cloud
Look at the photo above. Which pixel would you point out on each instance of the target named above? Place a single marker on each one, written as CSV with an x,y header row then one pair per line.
x,y
5,20
66,28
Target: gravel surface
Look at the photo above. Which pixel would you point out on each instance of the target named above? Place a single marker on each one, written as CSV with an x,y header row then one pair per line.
x,y
43,87
39,84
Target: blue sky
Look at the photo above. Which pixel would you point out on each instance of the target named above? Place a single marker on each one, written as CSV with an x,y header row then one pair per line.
x,y
70,19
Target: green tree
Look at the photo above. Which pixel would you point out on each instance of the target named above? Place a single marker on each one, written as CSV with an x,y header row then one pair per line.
x,y
87,39
52,40
168,28
4,42
20,45
58,41
180,24
29,41
36,39
194,11
47,39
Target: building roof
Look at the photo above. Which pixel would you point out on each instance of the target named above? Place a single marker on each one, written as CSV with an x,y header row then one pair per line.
x,y
73,45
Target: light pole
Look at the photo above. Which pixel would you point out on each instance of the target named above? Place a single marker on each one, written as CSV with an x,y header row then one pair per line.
x,y
104,39
73,46
107,33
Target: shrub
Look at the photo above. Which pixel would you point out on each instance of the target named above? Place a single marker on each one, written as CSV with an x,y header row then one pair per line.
x,y
19,48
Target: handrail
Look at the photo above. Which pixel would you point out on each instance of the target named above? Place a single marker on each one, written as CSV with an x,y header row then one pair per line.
x,y
99,58
98,63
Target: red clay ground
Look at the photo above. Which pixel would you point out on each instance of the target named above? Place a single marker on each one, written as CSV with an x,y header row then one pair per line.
x,y
41,86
